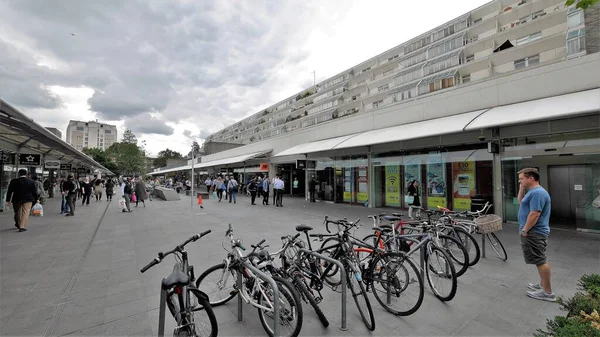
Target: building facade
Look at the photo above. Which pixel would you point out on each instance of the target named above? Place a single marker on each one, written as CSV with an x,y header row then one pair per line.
x,y
460,109
55,131
92,134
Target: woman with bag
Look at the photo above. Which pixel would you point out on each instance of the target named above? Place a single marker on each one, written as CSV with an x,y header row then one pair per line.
x,y
98,189
110,189
412,199
140,192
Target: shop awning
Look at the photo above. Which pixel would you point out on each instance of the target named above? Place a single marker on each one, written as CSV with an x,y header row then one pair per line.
x,y
432,127
318,146
541,109
231,160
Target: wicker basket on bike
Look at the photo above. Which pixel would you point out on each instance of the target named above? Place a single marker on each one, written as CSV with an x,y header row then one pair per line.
x,y
488,223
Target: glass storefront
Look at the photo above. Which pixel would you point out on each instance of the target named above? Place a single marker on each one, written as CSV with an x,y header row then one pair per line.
x,y
341,180
447,179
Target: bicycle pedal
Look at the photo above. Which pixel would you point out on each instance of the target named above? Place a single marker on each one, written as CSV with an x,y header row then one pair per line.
x,y
318,299
234,292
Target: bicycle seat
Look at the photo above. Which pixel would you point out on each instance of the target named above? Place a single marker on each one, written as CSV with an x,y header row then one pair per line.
x,y
177,278
391,218
382,214
398,214
303,228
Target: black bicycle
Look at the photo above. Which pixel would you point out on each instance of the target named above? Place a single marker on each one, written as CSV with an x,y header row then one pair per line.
x,y
189,306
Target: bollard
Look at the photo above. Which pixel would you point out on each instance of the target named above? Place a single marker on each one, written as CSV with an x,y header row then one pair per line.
x,y
161,312
483,245
240,308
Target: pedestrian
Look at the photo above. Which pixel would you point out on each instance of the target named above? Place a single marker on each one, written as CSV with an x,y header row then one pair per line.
x,y
64,207
413,190
98,189
208,183
274,192
259,186
70,189
278,186
253,189
312,186
110,189
39,187
266,184
126,192
140,192
232,186
219,188
534,227
86,190
295,186
21,192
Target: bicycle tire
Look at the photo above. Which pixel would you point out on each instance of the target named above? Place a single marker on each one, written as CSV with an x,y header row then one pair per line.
x,y
334,270
375,273
463,261
449,267
291,295
204,305
357,289
495,242
306,292
232,291
471,245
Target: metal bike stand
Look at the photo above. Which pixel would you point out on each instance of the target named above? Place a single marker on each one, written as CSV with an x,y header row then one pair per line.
x,y
344,326
483,245
422,259
161,312
273,284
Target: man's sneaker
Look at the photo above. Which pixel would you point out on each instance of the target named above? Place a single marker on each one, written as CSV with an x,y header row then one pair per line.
x,y
534,286
542,295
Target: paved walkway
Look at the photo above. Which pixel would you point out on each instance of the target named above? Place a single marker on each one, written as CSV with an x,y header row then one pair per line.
x,y
80,275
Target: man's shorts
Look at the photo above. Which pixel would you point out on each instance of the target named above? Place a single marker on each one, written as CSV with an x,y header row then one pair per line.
x,y
534,248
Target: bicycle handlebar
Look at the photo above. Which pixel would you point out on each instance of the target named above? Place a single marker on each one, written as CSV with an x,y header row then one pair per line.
x,y
179,248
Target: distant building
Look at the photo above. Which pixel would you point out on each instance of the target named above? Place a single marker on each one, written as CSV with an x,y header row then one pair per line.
x,y
55,131
92,134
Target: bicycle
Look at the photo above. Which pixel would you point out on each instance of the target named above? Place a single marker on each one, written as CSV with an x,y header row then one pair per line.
x,y
254,291
182,298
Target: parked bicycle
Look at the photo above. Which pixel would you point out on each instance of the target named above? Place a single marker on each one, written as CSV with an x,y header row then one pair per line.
x,y
188,305
220,283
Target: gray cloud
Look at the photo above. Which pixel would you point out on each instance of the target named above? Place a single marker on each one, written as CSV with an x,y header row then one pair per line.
x,y
145,124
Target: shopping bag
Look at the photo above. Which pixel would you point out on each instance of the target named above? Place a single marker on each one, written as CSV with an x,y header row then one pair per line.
x,y
37,210
122,203
409,199
215,195
133,198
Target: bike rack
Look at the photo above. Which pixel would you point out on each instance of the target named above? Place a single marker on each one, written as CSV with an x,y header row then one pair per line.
x,y
344,326
161,312
483,245
272,283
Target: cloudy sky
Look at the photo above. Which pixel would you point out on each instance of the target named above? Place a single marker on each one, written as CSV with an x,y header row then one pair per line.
x,y
173,71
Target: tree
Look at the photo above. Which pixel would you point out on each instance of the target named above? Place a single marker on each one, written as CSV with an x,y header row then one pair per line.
x,y
196,148
102,158
164,155
128,158
583,4
129,137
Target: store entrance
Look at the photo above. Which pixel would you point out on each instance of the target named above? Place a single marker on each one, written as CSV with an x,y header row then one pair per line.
x,y
570,195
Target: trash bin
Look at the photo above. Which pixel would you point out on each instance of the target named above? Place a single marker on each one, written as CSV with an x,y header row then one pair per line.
x,y
479,200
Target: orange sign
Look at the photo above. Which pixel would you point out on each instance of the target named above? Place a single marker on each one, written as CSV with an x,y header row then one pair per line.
x,y
264,166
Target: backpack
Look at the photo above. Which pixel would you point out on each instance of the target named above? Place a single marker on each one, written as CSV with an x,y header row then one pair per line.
x,y
74,186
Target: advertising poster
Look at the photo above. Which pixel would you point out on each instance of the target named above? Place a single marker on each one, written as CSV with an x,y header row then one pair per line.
x,y
436,183
463,182
392,185
411,173
363,185
347,184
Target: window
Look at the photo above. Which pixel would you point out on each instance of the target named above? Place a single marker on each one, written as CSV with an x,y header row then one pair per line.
x,y
538,14
80,128
377,104
466,79
389,72
575,42
445,47
528,61
383,87
477,21
393,57
529,38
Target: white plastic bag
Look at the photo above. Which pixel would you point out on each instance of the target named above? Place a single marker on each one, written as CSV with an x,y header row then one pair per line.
x,y
122,203
37,210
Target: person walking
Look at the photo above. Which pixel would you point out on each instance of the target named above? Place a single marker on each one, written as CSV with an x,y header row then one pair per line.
x,y
208,183
126,192
98,189
312,187
253,189
266,186
86,191
274,192
278,186
295,186
219,188
70,190
39,187
21,193
140,192
413,191
64,207
534,227
110,189
232,187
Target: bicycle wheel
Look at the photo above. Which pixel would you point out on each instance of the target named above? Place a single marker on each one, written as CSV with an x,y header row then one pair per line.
x,y
497,246
470,244
439,268
290,309
396,283
332,274
457,253
306,293
212,282
357,289
202,321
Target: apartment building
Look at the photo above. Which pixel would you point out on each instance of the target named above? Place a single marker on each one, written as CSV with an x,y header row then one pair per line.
x,y
459,109
92,134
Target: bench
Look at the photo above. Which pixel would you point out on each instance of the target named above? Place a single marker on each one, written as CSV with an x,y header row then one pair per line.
x,y
167,194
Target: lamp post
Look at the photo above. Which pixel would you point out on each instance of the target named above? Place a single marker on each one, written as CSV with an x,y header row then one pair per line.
x,y
192,188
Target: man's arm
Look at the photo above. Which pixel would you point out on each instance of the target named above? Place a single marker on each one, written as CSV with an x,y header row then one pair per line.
x,y
532,219
10,191
521,194
535,206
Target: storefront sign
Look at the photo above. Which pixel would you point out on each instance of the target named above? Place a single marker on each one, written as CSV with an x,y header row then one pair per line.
x,y
7,158
51,164
392,185
264,166
301,164
30,159
436,182
463,182
65,167
348,184
412,173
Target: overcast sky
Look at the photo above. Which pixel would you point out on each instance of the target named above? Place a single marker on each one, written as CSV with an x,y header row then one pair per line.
x,y
173,71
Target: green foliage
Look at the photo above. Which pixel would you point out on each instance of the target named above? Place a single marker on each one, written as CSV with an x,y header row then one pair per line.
x,y
164,155
575,324
583,4
129,137
102,158
128,158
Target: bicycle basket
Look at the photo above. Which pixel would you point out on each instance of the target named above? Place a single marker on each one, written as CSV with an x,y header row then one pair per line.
x,y
488,223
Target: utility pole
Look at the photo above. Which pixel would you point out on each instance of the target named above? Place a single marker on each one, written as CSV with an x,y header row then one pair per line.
x,y
315,79
192,188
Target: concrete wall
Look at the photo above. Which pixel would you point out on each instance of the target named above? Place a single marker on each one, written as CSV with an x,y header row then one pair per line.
x,y
528,84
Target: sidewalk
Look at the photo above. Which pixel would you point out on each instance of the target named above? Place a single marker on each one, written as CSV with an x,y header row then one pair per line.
x,y
80,275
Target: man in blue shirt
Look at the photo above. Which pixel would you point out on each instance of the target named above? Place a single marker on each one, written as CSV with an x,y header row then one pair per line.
x,y
534,227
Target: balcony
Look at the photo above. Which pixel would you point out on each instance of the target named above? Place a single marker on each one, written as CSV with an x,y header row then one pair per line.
x,y
532,48
517,11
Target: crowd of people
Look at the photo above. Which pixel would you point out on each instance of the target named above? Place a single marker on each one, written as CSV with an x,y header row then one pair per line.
x,y
255,186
